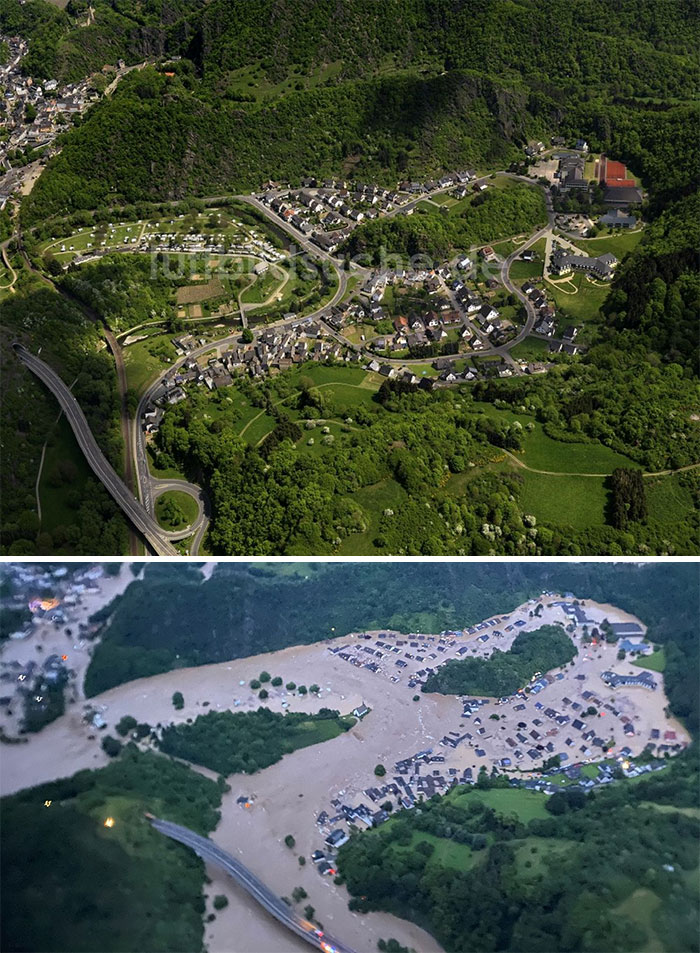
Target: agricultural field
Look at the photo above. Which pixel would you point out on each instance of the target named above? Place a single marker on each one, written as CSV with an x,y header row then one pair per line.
x,y
191,294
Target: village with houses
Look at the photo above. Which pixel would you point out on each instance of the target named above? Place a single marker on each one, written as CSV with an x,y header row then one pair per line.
x,y
32,114
46,653
582,726
460,317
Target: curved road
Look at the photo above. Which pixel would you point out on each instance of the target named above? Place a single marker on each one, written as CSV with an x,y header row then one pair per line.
x,y
212,854
103,470
148,487
144,478
200,524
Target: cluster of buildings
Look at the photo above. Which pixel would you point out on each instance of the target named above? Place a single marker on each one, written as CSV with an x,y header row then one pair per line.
x,y
563,262
44,600
644,680
47,595
274,350
32,113
327,211
546,322
451,304
620,191
546,311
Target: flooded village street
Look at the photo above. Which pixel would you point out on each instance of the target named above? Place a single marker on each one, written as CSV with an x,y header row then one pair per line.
x,y
425,741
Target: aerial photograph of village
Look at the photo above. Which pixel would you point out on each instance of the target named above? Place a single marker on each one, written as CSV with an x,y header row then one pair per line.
x,y
251,757
349,476
314,279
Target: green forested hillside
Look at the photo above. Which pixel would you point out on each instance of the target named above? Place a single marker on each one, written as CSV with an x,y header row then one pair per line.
x,y
81,515
272,90
646,48
66,47
191,141
614,870
74,886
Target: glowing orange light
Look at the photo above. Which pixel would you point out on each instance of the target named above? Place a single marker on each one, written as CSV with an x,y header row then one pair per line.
x,y
64,657
109,822
47,803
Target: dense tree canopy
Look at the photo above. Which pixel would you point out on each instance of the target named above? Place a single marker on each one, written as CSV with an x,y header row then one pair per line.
x,y
231,742
554,884
504,673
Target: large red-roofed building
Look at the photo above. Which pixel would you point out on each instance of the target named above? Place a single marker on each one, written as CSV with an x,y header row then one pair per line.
x,y
614,173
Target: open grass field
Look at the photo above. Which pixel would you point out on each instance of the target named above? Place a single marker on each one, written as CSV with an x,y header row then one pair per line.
x,y
579,298
543,453
618,244
187,505
536,855
144,360
508,245
264,286
357,333
387,494
656,662
667,500
671,808
520,270
640,907
576,501
531,349
526,805
259,427
251,81
446,852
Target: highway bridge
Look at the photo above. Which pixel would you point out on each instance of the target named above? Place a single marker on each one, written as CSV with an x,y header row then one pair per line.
x,y
140,518
212,854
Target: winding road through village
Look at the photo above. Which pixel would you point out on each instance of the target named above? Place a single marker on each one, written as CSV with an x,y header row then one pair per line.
x,y
140,511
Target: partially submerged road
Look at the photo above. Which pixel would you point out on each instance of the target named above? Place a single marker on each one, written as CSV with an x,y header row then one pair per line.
x,y
268,900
